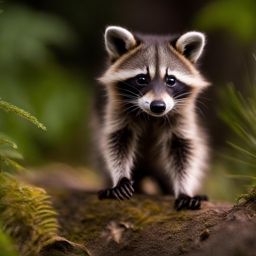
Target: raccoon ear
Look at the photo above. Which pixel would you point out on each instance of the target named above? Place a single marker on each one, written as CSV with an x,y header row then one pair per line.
x,y
191,45
118,41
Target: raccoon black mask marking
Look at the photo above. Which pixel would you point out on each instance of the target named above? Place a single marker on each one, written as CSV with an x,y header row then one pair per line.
x,y
149,124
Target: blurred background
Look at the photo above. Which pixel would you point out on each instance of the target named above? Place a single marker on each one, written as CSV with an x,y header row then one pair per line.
x,y
52,52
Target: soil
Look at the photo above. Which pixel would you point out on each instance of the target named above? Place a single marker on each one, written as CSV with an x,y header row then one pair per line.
x,y
148,225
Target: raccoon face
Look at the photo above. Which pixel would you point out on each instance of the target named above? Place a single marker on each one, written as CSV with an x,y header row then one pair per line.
x,y
154,74
155,96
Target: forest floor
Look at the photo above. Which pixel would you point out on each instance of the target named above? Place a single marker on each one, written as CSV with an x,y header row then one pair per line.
x,y
148,225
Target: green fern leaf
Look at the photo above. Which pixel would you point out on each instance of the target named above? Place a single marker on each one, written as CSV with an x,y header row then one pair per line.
x,y
26,215
4,140
22,113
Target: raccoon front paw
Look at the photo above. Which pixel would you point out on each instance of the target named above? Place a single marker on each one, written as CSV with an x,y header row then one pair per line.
x,y
189,203
123,190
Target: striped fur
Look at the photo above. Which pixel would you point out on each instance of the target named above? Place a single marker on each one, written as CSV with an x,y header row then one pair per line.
x,y
134,136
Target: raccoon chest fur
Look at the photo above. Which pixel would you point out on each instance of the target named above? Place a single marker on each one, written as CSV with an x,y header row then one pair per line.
x,y
149,161
148,149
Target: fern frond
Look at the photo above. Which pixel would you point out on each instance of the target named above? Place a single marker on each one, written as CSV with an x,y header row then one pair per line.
x,y
8,157
10,163
239,113
26,215
6,152
5,140
22,113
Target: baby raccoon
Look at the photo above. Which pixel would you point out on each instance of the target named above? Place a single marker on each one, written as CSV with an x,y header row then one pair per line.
x,y
148,123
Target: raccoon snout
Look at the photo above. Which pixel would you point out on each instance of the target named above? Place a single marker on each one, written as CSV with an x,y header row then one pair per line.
x,y
157,106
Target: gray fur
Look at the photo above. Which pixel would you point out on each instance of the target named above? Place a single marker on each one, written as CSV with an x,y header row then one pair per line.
x,y
136,143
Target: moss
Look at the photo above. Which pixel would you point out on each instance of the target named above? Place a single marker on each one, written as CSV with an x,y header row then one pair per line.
x,y
147,224
141,212
248,197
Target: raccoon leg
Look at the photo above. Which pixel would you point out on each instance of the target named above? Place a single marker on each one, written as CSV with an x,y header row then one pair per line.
x,y
187,160
123,190
119,154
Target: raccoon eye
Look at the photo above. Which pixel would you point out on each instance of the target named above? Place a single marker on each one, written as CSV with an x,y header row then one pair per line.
x,y
170,81
142,79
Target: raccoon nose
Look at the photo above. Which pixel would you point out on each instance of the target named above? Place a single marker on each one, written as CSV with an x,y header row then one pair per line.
x,y
157,106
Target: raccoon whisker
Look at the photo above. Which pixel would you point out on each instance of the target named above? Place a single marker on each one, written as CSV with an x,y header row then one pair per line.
x,y
134,106
128,106
202,104
182,99
129,85
166,119
123,102
180,103
128,92
204,97
146,117
131,109
139,112
177,96
200,111
131,100
127,95
176,107
125,89
134,88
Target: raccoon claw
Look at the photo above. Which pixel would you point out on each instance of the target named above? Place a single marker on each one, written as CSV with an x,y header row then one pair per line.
x,y
189,203
123,190
104,194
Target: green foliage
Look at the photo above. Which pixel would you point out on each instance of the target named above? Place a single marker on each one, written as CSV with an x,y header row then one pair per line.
x,y
248,197
26,215
233,16
31,77
5,140
8,149
33,31
11,108
25,212
9,154
6,245
239,113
